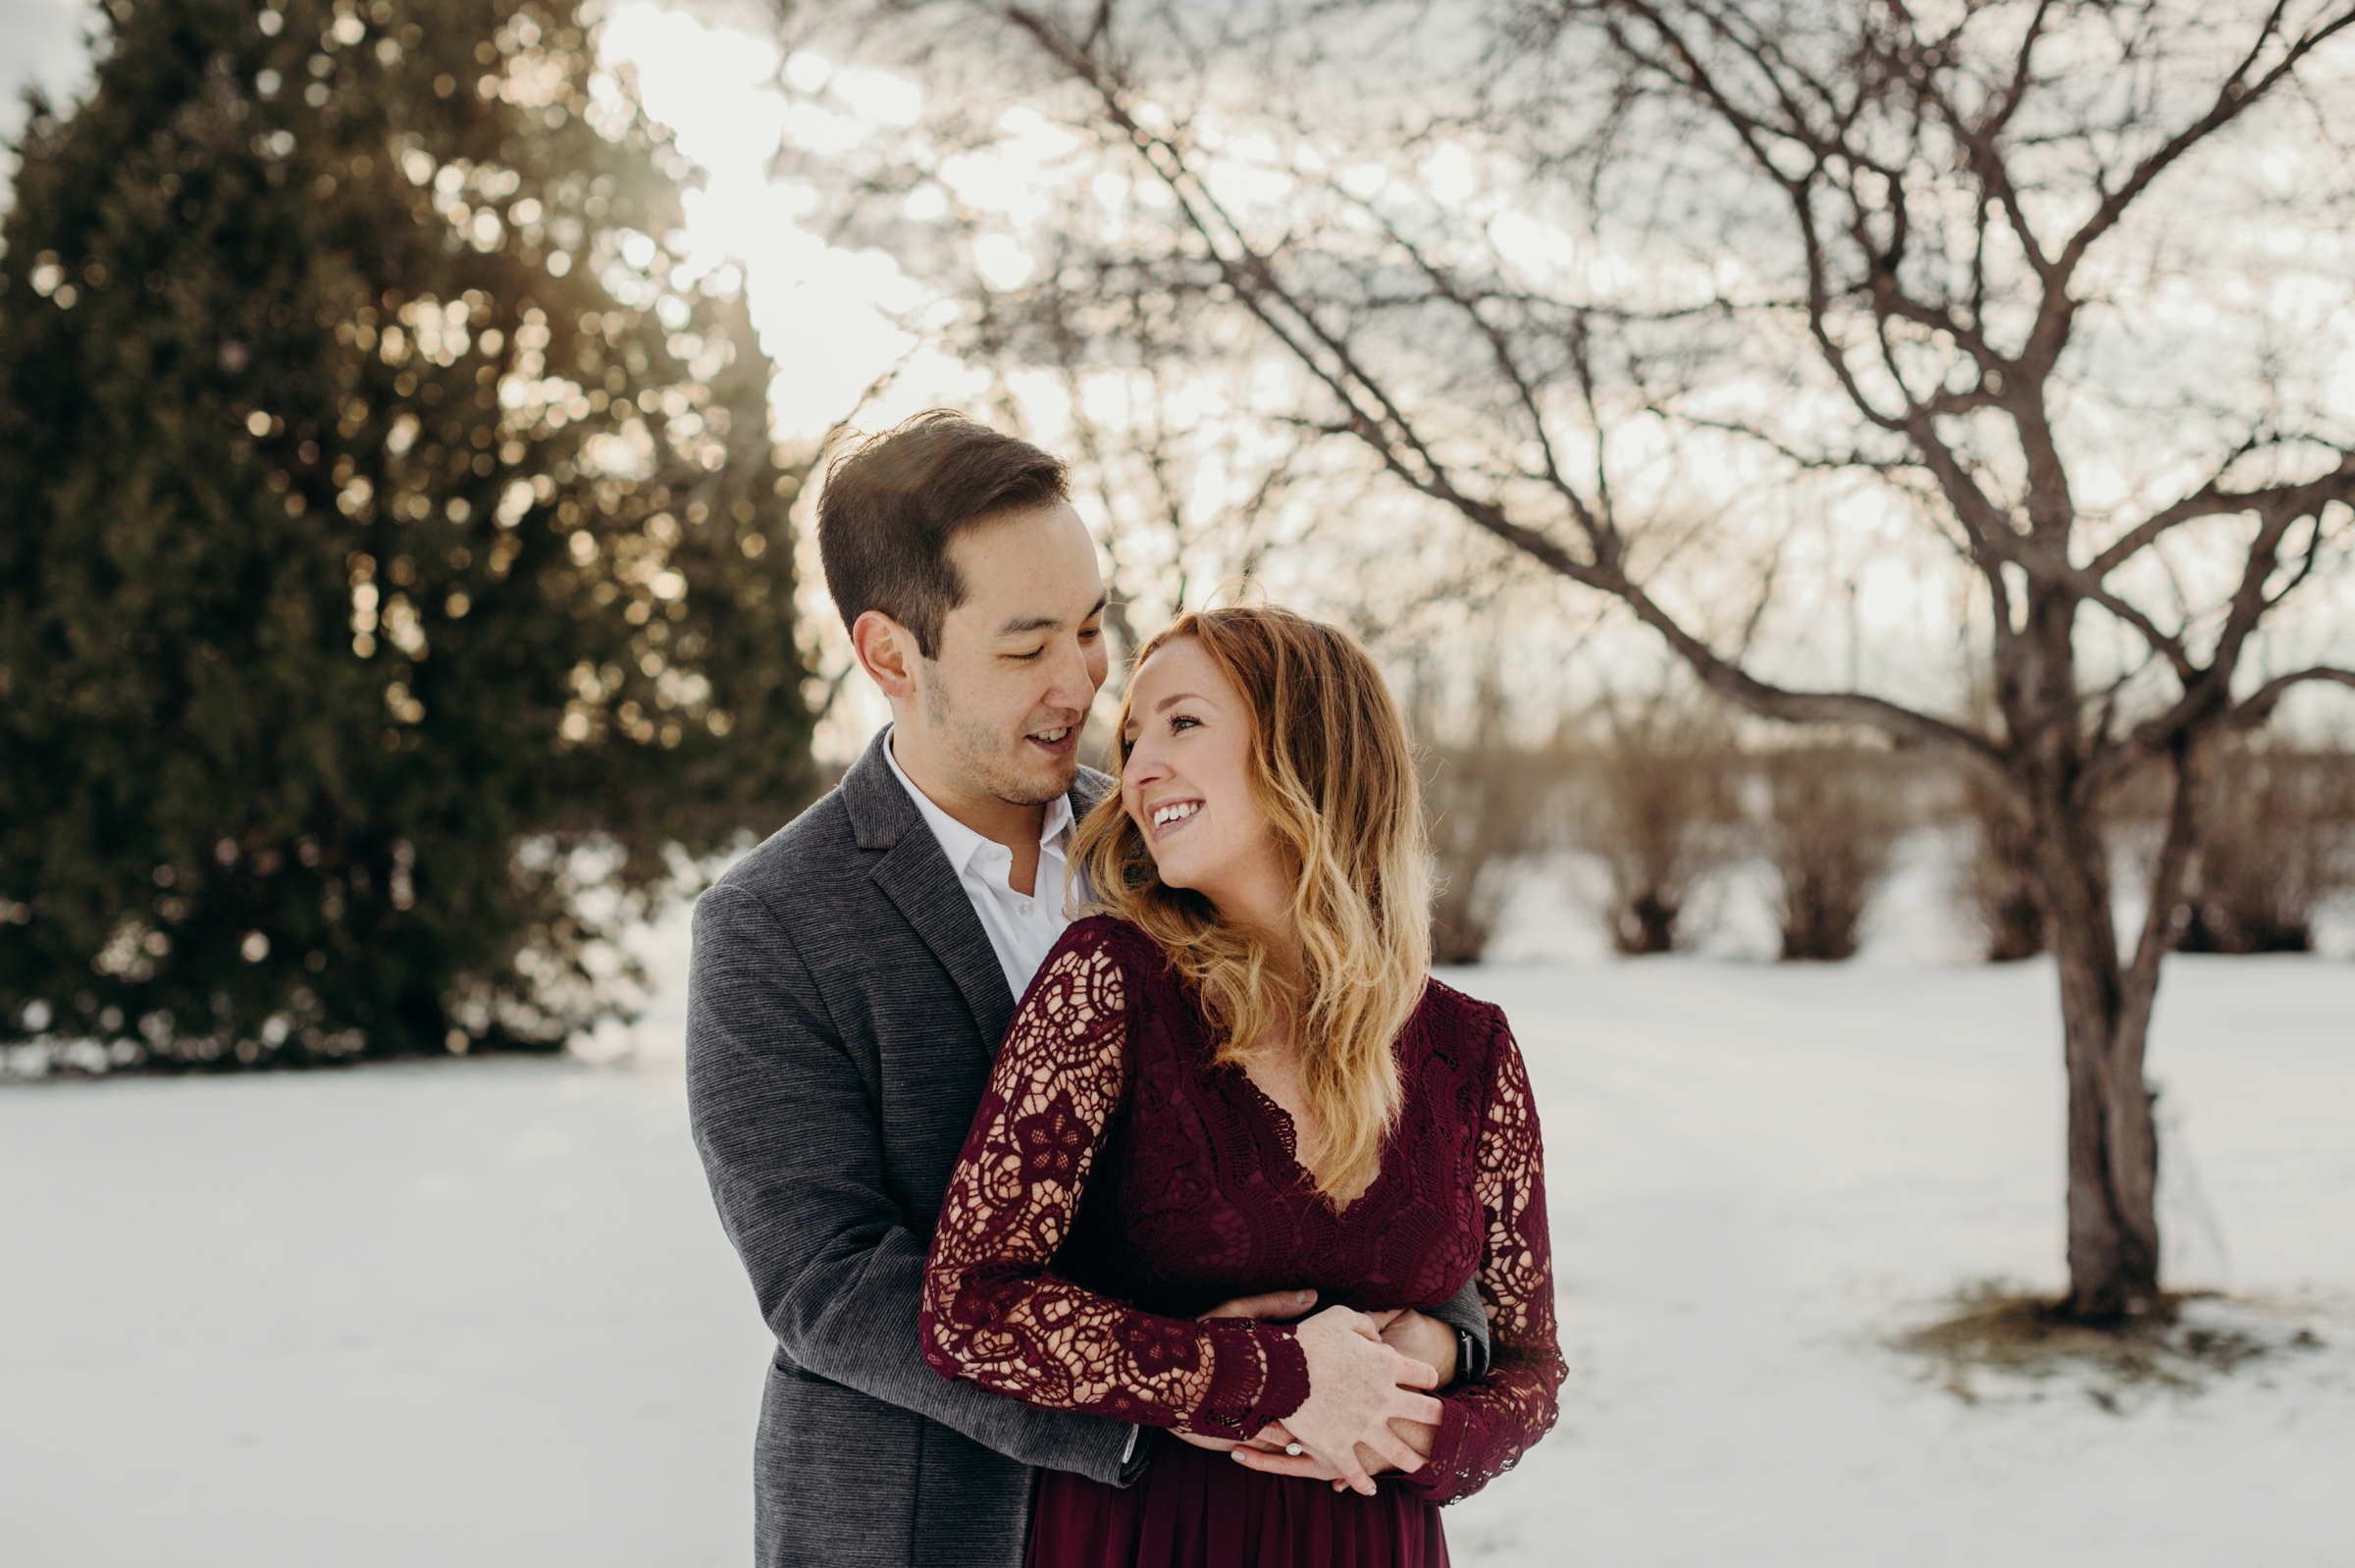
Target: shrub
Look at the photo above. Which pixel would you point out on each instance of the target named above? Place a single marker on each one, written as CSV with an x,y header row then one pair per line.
x,y
2274,848
1656,803
1484,804
1999,879
1833,812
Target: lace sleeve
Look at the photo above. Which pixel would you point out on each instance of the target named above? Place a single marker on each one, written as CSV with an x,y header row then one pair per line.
x,y
994,1315
1487,1428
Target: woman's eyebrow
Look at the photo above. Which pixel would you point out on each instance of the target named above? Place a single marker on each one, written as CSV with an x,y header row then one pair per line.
x,y
1175,698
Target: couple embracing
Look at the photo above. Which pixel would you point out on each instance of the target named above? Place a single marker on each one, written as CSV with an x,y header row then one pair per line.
x,y
1117,1184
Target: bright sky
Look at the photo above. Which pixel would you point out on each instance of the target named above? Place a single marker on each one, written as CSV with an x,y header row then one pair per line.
x,y
825,314
40,44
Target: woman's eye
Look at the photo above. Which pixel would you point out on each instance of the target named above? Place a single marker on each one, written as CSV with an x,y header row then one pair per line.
x,y
1183,723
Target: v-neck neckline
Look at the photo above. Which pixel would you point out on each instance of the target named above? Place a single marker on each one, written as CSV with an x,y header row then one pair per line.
x,y
1285,1130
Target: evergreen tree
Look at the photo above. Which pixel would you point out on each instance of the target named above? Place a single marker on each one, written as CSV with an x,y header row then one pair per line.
x,y
387,533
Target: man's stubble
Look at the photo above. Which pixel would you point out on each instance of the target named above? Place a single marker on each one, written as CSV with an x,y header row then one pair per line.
x,y
980,751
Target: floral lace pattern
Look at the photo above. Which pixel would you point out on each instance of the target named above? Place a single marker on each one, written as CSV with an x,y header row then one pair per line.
x,y
992,1314
1113,1184
1487,1429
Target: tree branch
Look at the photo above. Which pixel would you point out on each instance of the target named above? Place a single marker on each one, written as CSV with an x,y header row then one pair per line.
x,y
2211,500
2258,707
2235,98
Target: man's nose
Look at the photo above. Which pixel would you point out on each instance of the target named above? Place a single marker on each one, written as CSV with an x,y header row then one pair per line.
x,y
1074,683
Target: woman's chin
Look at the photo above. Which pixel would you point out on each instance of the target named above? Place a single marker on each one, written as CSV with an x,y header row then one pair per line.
x,y
1177,873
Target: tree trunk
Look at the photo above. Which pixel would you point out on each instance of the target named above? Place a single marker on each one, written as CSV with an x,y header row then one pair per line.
x,y
2105,1006
2112,1142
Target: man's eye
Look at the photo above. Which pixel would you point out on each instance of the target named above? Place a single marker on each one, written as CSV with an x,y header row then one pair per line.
x,y
1088,634
1027,657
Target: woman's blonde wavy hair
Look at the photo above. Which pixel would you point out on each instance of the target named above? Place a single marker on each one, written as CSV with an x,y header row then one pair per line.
x,y
1331,768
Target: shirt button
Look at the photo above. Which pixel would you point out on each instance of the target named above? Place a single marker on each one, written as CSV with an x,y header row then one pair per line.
x,y
1027,909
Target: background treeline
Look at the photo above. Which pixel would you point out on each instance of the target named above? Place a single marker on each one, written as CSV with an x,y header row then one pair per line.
x,y
1650,806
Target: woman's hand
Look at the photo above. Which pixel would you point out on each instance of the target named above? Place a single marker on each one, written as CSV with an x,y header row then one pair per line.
x,y
1266,1454
1404,1330
1270,1304
1356,1386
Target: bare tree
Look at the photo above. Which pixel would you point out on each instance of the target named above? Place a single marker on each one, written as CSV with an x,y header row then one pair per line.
x,y
1921,256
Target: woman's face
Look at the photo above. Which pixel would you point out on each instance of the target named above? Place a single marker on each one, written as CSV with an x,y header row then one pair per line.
x,y
1186,785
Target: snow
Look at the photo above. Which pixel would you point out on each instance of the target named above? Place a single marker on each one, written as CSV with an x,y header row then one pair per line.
x,y
480,1313
1760,1173
475,1313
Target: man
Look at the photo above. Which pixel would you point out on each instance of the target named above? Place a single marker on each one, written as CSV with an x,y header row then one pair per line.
x,y
853,977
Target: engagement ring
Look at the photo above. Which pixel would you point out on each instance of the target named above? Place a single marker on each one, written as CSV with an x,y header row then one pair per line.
x,y
1291,1449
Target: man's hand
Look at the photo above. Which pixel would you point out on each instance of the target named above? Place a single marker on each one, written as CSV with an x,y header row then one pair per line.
x,y
1427,1339
1271,1304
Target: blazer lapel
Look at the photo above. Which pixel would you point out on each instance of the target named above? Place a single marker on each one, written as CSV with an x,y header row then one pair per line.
x,y
917,877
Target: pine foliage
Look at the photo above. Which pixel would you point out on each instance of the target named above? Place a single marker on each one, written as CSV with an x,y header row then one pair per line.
x,y
389,542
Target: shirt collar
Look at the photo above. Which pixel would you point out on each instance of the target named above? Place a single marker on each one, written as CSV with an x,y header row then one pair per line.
x,y
960,842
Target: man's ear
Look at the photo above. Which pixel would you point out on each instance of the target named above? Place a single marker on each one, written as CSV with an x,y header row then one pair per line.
x,y
887,651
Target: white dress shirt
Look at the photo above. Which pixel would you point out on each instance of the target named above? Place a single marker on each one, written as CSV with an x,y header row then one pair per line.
x,y
1023,927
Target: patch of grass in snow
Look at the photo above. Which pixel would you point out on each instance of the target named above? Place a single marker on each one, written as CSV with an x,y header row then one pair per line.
x,y
2001,1339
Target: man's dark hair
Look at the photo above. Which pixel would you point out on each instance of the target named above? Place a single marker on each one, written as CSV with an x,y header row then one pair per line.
x,y
893,502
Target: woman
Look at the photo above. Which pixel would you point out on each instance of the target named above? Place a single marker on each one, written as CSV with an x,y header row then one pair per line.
x,y
1238,1078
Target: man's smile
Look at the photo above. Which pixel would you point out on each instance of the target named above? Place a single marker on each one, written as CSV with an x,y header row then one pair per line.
x,y
1055,742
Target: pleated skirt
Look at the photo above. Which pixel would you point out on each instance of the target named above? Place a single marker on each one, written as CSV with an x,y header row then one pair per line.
x,y
1197,1509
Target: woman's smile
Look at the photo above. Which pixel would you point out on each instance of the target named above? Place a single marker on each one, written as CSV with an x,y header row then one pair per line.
x,y
1171,815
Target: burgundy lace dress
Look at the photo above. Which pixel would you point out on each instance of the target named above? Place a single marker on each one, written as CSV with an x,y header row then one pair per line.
x,y
1114,1184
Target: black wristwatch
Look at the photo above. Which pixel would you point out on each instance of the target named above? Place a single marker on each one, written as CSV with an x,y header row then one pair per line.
x,y
1463,1356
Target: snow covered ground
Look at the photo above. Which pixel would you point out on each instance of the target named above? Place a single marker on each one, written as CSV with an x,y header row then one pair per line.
x,y
480,1312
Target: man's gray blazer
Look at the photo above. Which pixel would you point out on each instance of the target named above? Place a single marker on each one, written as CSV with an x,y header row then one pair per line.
x,y
843,1012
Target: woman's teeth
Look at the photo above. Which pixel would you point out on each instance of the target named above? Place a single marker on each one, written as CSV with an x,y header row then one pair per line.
x,y
1175,812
